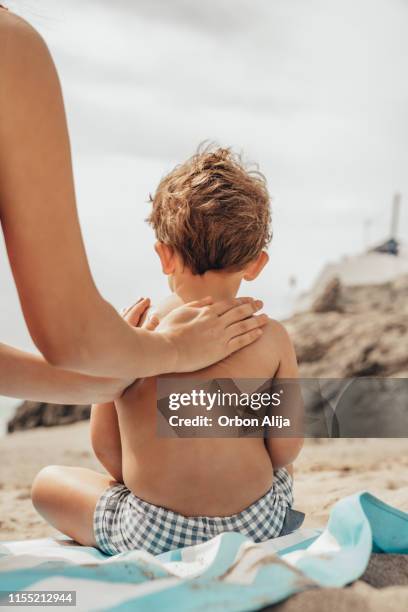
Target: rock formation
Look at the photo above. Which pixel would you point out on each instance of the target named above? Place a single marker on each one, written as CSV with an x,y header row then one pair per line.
x,y
354,331
37,414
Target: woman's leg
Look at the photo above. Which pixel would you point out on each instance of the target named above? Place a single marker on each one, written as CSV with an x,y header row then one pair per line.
x,y
66,497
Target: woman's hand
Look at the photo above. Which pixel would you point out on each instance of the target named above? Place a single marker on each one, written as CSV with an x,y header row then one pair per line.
x,y
203,333
136,315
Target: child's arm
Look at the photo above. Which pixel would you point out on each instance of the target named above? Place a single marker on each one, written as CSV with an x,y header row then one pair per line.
x,y
105,438
283,451
105,432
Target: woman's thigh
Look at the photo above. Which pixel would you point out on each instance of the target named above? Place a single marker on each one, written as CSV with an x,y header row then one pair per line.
x,y
66,497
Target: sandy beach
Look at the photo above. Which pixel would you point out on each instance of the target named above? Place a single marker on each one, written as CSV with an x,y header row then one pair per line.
x,y
326,471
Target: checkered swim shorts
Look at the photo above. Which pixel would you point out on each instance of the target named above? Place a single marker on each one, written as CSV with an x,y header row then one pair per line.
x,y
125,522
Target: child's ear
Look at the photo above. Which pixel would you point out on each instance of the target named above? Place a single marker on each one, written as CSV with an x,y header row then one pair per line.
x,y
167,257
255,267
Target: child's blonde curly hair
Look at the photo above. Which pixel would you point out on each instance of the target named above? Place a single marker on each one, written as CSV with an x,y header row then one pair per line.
x,y
213,211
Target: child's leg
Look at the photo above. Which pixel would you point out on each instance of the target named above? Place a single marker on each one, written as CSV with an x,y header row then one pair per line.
x,y
66,497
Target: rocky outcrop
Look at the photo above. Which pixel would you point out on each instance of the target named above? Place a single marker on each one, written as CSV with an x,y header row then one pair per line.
x,y
354,331
36,414
329,299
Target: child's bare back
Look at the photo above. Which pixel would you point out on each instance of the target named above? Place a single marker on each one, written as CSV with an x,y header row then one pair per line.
x,y
205,476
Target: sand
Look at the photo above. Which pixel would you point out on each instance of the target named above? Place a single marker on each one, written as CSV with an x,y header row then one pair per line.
x,y
326,471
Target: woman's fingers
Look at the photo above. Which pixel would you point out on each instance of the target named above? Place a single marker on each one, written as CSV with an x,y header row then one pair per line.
x,y
200,303
214,331
239,342
247,304
241,328
126,310
240,312
244,331
151,323
134,314
222,307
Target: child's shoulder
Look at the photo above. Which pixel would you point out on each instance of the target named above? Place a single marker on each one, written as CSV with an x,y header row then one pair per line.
x,y
272,354
277,340
276,332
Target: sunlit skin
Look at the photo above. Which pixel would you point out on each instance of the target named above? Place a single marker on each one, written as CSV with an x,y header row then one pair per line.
x,y
192,476
71,324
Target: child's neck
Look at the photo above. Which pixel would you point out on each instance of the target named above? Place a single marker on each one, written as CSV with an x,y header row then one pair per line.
x,y
218,284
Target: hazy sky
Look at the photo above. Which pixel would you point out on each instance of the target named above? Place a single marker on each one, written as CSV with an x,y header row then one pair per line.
x,y
315,92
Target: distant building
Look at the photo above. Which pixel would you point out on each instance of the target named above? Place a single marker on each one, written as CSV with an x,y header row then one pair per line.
x,y
390,246
379,264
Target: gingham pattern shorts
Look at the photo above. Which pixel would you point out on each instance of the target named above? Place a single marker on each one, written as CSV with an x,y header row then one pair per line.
x,y
124,522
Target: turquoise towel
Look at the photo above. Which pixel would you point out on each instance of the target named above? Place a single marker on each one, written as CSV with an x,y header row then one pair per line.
x,y
228,573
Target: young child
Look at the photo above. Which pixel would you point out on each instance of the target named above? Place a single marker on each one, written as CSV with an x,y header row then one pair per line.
x,y
211,217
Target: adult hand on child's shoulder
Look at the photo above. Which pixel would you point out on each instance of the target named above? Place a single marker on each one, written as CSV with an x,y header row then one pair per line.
x,y
205,332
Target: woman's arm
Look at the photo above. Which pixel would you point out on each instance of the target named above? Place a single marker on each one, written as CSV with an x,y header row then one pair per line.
x,y
30,377
67,318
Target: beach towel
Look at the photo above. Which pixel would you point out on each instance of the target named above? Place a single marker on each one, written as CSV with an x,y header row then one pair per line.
x,y
228,573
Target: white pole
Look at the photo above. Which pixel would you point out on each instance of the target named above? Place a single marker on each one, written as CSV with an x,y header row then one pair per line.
x,y
396,204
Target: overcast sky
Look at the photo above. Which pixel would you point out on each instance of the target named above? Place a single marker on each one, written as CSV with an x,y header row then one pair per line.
x,y
315,92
